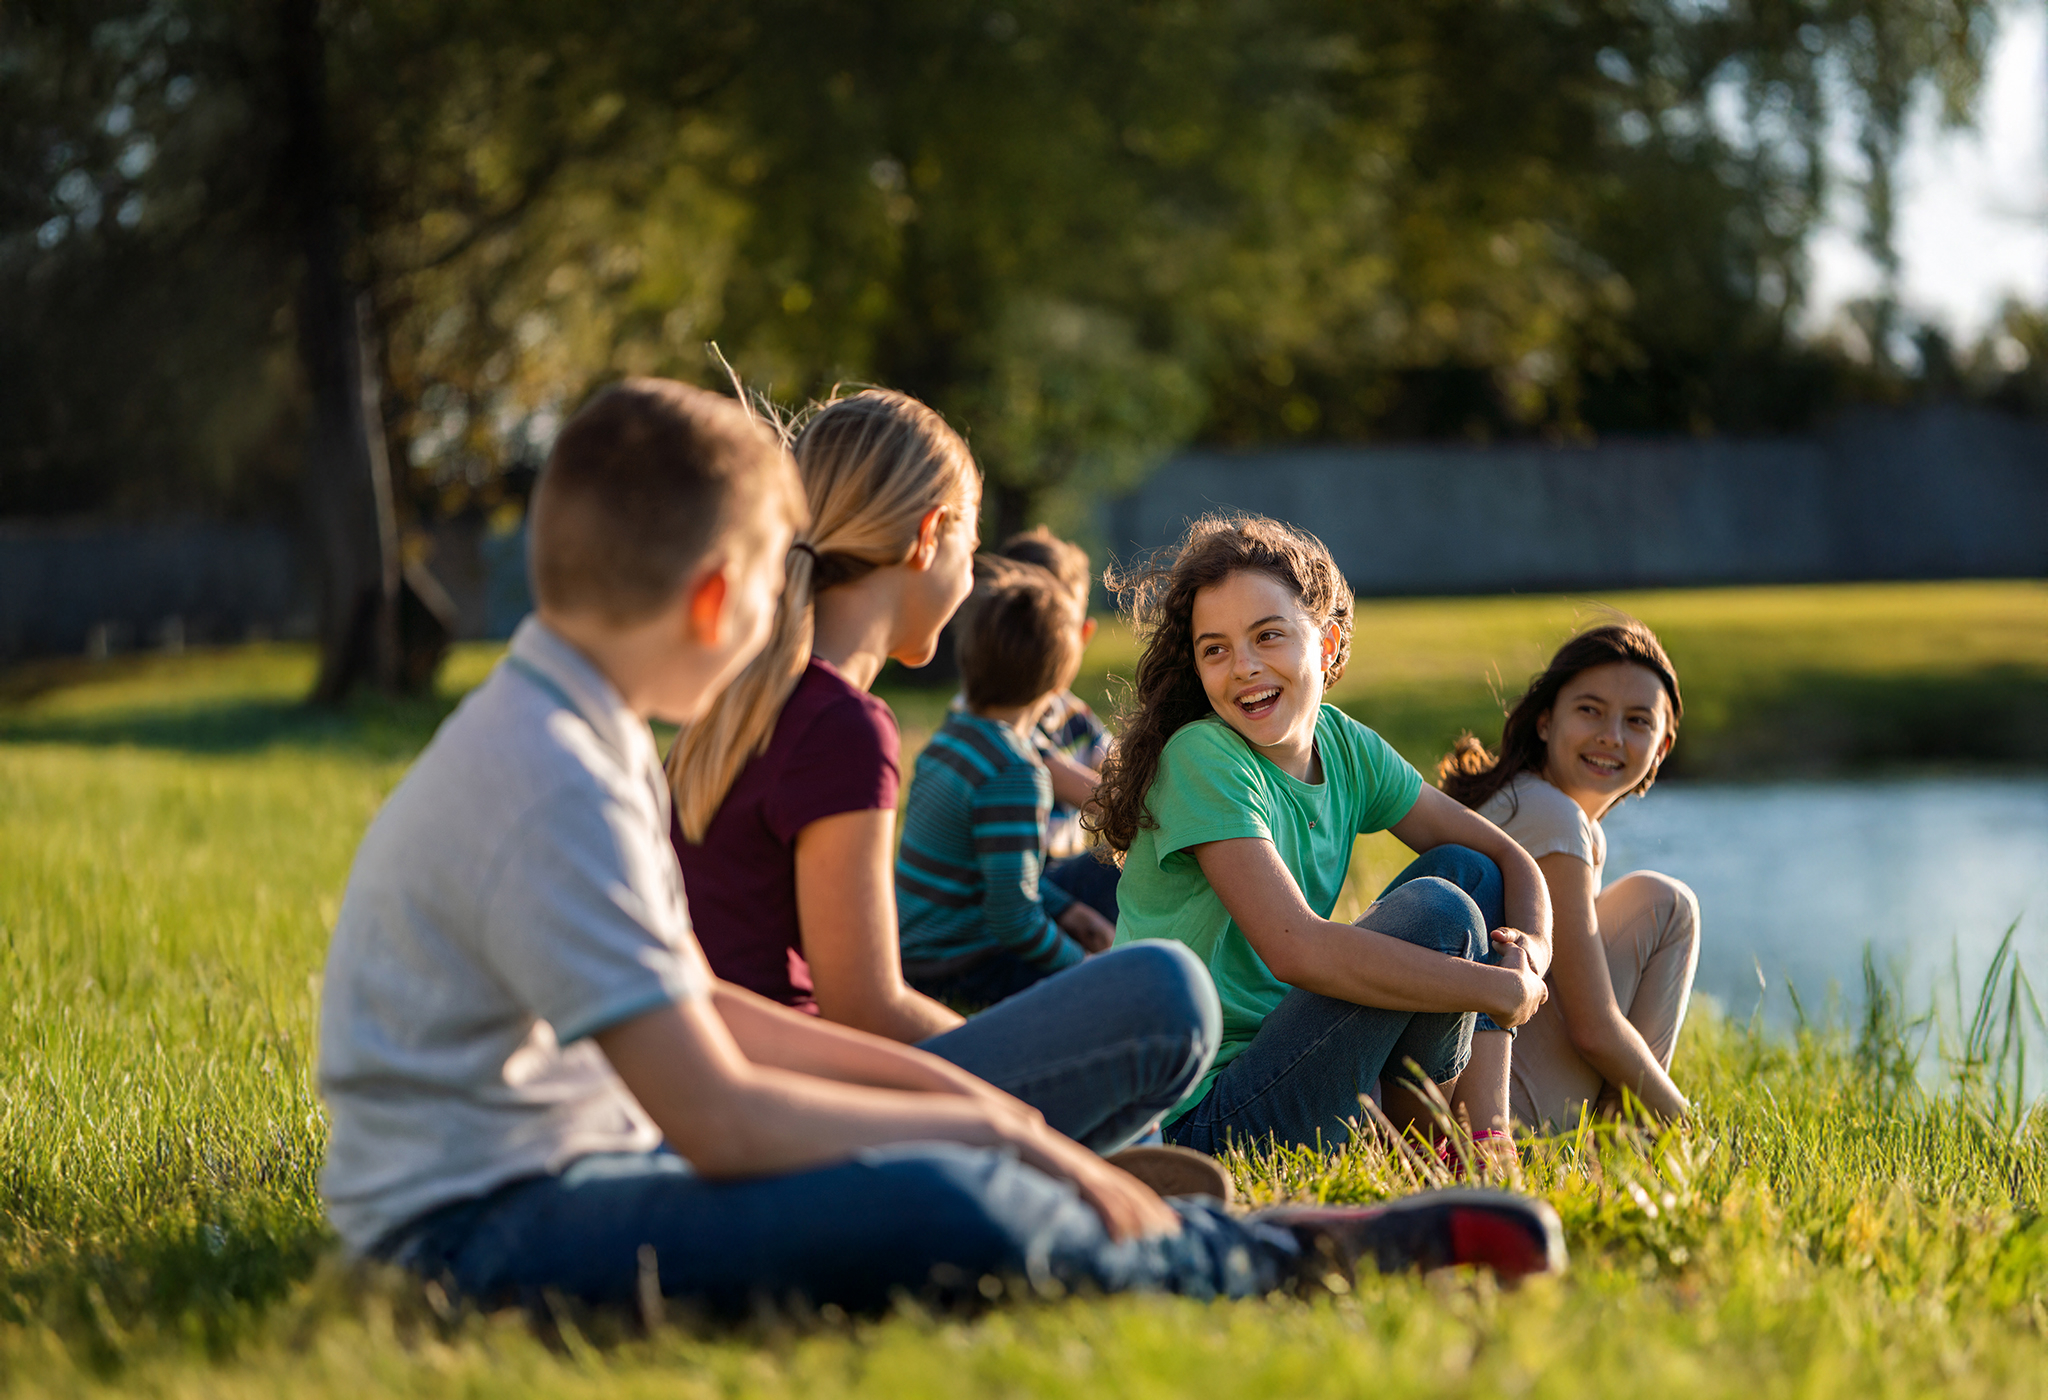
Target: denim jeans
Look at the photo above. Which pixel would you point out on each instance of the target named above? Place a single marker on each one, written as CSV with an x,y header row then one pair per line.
x,y
920,1217
1089,880
1314,1057
1100,1049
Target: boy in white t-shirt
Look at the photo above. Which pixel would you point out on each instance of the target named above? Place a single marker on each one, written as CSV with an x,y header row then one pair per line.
x,y
535,1083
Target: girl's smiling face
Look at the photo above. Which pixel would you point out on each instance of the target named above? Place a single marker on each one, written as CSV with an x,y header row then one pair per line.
x,y
1261,658
1610,726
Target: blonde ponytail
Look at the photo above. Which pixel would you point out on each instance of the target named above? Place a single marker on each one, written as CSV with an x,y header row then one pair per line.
x,y
873,464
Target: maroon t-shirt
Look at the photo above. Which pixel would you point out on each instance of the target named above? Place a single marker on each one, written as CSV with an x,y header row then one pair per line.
x,y
835,749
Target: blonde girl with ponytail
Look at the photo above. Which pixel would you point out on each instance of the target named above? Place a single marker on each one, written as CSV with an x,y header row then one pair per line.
x,y
785,799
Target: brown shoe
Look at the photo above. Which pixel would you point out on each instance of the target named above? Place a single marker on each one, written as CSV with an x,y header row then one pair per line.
x,y
1176,1171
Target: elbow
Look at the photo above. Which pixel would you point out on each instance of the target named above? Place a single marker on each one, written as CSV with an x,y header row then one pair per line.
x,y
1594,1043
1285,963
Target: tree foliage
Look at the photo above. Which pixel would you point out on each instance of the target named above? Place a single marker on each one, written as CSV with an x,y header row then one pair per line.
x,y
1087,233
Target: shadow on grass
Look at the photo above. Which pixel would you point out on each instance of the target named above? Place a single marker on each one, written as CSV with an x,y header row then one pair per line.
x,y
208,1282
367,727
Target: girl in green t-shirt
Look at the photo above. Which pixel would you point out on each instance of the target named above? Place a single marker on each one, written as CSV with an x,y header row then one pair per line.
x,y
1234,796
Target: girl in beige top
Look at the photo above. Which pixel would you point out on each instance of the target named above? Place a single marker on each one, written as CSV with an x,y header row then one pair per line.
x,y
1592,730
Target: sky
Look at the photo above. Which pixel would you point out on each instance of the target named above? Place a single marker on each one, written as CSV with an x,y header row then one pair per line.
x,y
1973,215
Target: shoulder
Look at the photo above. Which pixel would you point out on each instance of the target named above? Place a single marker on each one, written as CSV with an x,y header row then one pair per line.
x,y
1207,739
979,749
1205,755
508,766
1542,819
830,712
510,739
1361,749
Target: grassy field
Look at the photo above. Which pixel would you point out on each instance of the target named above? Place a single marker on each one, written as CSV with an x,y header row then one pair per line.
x,y
173,839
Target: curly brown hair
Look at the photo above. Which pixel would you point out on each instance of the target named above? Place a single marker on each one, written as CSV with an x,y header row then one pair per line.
x,y
1472,775
1158,594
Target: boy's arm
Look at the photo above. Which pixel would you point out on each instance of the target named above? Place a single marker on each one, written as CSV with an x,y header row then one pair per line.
x,y
731,1117
769,1033
1073,782
1437,820
1009,845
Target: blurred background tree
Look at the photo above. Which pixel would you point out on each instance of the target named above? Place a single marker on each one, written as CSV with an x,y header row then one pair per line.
x,y
1089,234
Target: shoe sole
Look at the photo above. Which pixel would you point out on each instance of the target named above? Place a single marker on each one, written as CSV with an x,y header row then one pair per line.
x,y
1177,1171
1514,1236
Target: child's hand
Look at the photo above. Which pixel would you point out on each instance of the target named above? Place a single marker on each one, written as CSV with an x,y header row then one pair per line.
x,y
1510,948
1087,928
1529,992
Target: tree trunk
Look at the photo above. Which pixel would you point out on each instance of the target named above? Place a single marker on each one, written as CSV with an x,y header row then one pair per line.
x,y
354,524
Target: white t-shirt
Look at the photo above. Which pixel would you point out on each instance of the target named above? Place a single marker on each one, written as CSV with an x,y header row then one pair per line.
x,y
516,894
1544,822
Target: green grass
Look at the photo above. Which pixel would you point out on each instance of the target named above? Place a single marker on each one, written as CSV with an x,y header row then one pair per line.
x,y
173,839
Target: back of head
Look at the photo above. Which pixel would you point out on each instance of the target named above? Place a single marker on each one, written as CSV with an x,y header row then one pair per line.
x,y
1016,640
1065,561
1159,595
1472,775
873,464
641,484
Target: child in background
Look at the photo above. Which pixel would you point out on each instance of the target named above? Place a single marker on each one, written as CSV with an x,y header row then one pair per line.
x,y
977,923
1590,733
1236,793
1073,742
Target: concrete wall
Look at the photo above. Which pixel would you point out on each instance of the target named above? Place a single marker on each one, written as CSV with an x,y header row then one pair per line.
x,y
1938,492
1929,493
82,586
77,586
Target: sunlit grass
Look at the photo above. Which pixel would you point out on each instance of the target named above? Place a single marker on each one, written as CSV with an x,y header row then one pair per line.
x,y
173,839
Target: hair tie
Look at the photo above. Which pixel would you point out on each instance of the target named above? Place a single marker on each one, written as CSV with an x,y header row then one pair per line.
x,y
809,549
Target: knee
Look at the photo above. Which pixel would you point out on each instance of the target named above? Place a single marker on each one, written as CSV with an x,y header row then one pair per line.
x,y
1463,866
1169,981
1677,908
1431,912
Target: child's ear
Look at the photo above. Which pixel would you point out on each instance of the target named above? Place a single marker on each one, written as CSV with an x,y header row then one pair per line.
x,y
1543,727
927,547
1087,630
707,607
1329,644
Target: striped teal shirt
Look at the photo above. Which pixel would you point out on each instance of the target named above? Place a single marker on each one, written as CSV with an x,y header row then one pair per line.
x,y
973,846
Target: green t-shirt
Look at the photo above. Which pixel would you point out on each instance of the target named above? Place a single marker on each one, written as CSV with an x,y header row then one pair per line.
x,y
1213,786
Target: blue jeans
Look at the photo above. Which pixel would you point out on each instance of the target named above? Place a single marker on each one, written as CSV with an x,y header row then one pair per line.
x,y
926,1218
1301,1078
1100,1049
1089,880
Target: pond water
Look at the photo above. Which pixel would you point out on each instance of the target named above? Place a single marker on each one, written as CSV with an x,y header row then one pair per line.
x,y
1797,878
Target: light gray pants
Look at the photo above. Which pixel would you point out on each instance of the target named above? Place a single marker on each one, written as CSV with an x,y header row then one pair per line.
x,y
1651,926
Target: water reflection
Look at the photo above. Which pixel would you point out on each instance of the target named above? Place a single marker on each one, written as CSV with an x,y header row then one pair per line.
x,y
1801,876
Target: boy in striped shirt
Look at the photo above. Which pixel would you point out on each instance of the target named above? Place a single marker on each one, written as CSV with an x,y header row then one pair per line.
x,y
977,923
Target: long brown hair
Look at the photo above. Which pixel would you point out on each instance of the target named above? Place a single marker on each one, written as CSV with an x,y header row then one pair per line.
x,y
1472,775
872,463
1159,595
